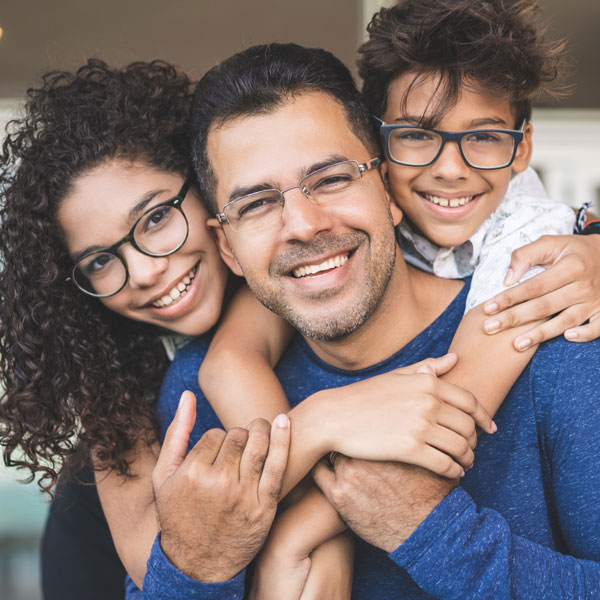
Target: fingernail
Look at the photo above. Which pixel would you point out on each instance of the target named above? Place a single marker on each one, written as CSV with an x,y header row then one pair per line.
x,y
491,307
494,427
282,421
491,325
462,473
571,334
509,277
523,343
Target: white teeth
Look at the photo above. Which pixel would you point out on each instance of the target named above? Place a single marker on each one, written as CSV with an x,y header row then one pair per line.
x,y
177,292
452,203
330,263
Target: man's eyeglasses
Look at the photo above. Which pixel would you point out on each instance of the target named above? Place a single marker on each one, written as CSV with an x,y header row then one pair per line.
x,y
485,149
160,231
265,207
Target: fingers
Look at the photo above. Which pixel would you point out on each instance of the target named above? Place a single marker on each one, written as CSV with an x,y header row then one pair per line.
x,y
537,288
255,453
544,251
440,463
465,401
232,448
175,445
561,323
585,333
269,486
436,366
453,445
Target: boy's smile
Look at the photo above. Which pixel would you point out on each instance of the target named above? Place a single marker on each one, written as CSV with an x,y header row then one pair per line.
x,y
448,200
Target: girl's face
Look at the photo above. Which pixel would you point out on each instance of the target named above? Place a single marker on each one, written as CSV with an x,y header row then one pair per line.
x,y
101,208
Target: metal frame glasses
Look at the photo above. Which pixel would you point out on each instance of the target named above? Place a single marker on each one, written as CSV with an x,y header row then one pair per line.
x,y
441,137
175,202
264,207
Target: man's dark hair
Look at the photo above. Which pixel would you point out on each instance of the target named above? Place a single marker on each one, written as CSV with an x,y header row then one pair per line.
x,y
260,79
495,45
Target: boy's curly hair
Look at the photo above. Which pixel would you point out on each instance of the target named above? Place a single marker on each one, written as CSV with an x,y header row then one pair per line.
x,y
77,377
496,45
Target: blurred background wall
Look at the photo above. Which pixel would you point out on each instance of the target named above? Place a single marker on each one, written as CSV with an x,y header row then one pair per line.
x,y
38,35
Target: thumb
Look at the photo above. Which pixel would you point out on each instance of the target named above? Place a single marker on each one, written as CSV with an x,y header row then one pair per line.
x,y
433,366
542,252
175,445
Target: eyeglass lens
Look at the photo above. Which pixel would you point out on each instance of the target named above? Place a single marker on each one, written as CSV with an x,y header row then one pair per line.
x,y
159,232
266,207
418,147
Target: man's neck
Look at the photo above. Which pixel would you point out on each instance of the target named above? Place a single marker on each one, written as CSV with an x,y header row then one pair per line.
x,y
411,302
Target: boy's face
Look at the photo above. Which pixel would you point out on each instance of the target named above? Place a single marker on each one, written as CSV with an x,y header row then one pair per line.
x,y
421,192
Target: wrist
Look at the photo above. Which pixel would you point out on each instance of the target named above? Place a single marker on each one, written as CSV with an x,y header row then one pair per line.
x,y
203,569
312,424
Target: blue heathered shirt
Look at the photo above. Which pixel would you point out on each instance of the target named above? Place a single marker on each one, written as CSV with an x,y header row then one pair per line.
x,y
525,522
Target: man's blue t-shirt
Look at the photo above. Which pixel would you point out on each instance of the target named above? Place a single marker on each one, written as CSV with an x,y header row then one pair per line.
x,y
524,523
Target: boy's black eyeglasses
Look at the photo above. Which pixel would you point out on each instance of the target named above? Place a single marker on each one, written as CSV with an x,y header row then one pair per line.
x,y
160,231
485,149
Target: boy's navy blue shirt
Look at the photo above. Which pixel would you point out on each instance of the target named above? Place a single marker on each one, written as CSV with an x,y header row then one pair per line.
x,y
524,523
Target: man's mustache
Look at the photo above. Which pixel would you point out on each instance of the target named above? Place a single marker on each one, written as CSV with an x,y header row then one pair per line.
x,y
300,253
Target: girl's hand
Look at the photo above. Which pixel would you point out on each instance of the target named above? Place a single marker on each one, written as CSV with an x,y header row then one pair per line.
x,y
408,415
568,289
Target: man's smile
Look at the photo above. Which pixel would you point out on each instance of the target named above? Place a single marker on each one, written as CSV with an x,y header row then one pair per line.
x,y
327,265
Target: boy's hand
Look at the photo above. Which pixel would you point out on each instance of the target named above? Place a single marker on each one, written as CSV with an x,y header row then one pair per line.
x,y
409,415
570,286
216,504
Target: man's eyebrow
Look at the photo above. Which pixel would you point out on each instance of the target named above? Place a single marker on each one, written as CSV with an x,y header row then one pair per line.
x,y
241,191
133,214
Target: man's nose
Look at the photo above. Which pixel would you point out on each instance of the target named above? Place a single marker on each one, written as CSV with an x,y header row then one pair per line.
x,y
450,165
303,218
144,271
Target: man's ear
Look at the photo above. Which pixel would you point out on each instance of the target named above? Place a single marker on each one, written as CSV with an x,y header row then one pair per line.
x,y
216,231
395,210
524,150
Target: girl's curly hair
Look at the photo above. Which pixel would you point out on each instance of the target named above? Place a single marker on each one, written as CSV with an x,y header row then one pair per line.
x,y
77,376
496,44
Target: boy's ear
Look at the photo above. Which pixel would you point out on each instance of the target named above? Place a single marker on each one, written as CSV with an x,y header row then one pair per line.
x,y
395,210
524,150
216,231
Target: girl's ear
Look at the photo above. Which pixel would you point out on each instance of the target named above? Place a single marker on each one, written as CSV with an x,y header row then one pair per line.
x,y
216,230
524,150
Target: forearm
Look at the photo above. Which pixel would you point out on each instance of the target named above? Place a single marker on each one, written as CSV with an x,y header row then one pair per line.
x,y
488,365
128,505
239,363
462,552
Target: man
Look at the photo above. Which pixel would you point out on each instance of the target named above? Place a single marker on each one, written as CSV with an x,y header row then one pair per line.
x,y
523,523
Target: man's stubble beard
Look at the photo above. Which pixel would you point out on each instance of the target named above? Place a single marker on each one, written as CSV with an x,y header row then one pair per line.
x,y
336,326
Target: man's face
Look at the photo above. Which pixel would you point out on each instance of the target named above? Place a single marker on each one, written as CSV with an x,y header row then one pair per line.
x,y
350,240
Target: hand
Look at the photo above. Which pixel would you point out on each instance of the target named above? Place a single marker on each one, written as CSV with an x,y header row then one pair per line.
x,y
331,568
325,573
570,286
215,506
409,415
382,502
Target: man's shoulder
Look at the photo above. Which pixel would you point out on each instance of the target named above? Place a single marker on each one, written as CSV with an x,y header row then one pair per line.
x,y
563,378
